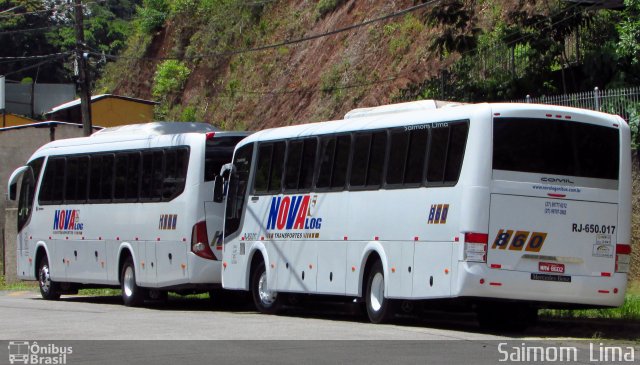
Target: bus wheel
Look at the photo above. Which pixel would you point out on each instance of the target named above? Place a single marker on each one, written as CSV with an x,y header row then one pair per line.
x,y
379,308
49,289
265,300
132,294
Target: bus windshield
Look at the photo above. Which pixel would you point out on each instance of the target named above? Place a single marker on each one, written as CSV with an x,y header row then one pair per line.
x,y
556,147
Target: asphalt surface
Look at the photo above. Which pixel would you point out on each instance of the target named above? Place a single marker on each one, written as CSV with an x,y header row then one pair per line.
x,y
334,333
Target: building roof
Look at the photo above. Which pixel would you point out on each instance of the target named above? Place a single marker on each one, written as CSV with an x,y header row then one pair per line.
x,y
94,98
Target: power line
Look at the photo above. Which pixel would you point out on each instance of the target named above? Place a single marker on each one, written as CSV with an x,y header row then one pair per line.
x,y
31,66
35,57
63,7
285,43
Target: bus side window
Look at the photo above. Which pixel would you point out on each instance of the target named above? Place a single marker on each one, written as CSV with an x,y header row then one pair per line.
x,y
414,171
277,167
261,183
76,182
176,162
397,156
437,154
341,161
307,167
376,159
25,202
28,191
132,185
292,167
52,190
101,178
456,151
360,159
119,192
150,188
327,151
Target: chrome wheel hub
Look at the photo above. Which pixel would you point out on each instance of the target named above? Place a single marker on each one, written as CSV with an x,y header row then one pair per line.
x,y
129,281
376,297
267,297
45,279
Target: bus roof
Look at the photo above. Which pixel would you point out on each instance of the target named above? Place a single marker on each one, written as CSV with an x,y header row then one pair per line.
x,y
406,114
136,132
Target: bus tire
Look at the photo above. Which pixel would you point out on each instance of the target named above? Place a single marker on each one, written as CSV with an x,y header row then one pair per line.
x,y
49,290
379,308
266,301
132,294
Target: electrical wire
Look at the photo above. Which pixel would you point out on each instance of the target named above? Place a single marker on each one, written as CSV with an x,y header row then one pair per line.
x,y
285,43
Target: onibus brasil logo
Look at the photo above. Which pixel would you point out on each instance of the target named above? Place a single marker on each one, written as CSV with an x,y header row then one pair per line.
x,y
25,352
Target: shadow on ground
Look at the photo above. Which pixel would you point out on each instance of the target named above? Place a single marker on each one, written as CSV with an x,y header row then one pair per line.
x,y
549,328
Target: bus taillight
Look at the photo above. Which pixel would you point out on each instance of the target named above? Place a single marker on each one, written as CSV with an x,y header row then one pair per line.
x,y
475,246
623,257
200,241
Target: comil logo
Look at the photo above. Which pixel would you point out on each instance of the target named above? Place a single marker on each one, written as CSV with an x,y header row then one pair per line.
x,y
24,352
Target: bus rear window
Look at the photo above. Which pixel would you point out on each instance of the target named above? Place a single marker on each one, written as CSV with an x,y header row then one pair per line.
x,y
566,148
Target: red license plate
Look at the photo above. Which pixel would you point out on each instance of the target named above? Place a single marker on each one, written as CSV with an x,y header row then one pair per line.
x,y
551,267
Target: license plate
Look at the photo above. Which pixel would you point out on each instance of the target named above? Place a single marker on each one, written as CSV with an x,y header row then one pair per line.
x,y
547,277
551,267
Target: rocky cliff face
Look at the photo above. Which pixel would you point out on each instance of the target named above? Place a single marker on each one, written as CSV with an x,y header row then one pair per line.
x,y
293,83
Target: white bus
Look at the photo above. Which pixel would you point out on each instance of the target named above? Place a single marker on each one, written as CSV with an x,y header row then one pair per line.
x,y
129,206
508,207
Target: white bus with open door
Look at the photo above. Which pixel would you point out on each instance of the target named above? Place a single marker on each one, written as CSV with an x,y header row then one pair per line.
x,y
128,207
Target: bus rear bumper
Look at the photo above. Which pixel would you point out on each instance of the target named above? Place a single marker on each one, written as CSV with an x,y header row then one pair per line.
x,y
478,280
204,271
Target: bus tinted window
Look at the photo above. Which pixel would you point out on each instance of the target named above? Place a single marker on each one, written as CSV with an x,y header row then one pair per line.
x,y
132,177
277,165
416,157
397,156
175,172
361,146
218,151
237,188
100,178
376,159
52,189
455,155
341,161
264,168
77,179
437,154
560,148
327,150
152,172
120,176
292,171
308,163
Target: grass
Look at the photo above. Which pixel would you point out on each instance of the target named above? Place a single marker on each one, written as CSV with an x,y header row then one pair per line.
x,y
20,285
630,309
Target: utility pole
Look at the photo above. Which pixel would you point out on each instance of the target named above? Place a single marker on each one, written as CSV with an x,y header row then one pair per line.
x,y
83,72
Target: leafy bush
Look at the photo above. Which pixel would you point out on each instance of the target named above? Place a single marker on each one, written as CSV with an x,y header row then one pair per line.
x,y
169,78
188,114
326,6
151,15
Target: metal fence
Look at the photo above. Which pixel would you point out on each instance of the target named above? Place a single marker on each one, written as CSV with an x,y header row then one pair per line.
x,y
623,102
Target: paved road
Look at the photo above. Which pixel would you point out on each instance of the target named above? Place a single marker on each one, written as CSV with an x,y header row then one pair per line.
x,y
24,316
